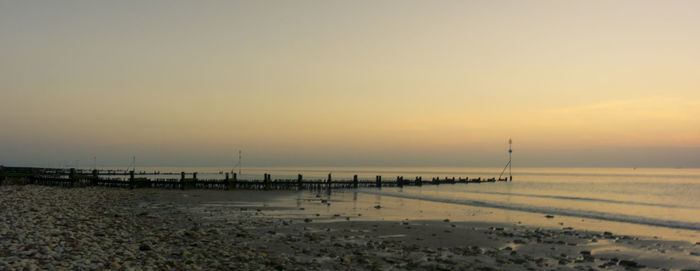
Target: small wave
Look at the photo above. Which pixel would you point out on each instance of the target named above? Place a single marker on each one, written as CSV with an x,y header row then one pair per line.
x,y
547,210
583,199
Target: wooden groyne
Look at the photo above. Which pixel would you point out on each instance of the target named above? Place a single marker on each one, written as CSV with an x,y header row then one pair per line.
x,y
78,178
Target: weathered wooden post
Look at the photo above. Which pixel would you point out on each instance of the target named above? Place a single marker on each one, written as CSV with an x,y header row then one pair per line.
x,y
328,182
300,183
399,181
71,176
182,180
131,179
227,182
194,180
266,181
355,182
379,181
235,180
95,177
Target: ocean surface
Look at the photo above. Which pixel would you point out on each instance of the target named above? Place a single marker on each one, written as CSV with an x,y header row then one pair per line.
x,y
664,200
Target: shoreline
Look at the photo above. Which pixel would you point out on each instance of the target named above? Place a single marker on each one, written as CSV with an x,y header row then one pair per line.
x,y
119,229
361,205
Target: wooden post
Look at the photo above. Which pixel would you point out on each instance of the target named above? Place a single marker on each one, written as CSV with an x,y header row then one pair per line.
x,y
131,179
182,180
379,181
95,178
227,182
300,183
419,181
267,181
328,182
194,180
71,176
235,180
355,182
399,181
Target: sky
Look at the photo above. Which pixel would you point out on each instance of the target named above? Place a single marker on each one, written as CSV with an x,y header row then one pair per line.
x,y
350,83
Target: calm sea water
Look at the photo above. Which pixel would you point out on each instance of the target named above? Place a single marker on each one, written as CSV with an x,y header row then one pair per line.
x,y
665,198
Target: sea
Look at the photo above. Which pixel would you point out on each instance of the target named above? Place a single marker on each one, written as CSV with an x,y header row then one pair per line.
x,y
641,201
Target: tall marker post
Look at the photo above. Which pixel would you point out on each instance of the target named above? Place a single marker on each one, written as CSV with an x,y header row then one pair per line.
x,y
240,163
508,166
510,158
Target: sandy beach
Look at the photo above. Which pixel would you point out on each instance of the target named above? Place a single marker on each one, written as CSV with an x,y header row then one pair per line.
x,y
149,229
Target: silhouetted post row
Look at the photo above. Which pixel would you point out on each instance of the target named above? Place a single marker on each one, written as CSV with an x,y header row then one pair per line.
x,y
228,180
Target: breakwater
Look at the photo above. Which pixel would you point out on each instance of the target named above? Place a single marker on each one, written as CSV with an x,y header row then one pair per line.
x,y
189,180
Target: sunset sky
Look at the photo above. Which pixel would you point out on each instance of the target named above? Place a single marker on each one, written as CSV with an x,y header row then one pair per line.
x,y
351,83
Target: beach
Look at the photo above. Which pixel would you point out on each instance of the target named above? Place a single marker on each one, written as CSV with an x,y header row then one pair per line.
x,y
349,135
152,229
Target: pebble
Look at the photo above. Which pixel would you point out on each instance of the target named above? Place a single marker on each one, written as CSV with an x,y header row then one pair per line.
x,y
104,228
628,263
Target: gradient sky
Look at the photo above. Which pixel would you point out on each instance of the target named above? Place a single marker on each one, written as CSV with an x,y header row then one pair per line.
x,y
353,83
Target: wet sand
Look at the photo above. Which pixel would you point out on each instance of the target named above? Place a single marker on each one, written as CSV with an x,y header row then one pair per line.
x,y
149,229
